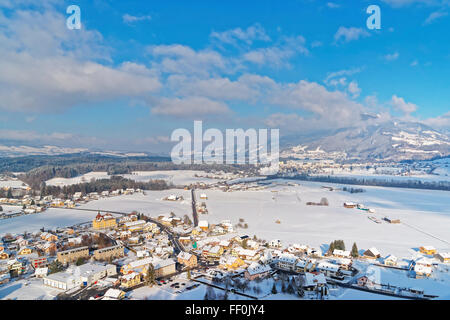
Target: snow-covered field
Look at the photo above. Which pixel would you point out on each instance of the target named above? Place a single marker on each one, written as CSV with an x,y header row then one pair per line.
x,y
427,211
176,177
425,215
49,219
15,184
60,182
317,226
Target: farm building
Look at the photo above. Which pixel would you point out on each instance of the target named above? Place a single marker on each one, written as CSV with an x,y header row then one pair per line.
x,y
372,253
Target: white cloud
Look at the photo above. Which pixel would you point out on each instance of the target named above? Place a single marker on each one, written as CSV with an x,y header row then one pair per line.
x,y
404,3
441,122
336,78
180,59
371,101
332,5
391,56
49,68
329,106
354,89
214,88
401,105
248,36
316,44
129,19
435,16
54,138
189,107
278,55
154,140
344,34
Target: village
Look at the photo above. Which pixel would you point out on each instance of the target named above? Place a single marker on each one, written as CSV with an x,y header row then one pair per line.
x,y
118,254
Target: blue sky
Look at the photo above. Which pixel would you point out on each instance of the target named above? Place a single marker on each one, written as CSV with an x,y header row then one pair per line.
x,y
139,69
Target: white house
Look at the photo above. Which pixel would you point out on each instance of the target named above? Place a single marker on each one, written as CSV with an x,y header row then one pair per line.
x,y
276,243
86,274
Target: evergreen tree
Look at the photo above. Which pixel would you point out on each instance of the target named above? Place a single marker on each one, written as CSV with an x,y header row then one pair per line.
x,y
210,294
55,266
331,248
150,275
290,288
274,289
355,253
80,261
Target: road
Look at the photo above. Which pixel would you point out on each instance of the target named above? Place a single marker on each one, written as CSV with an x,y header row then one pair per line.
x,y
194,208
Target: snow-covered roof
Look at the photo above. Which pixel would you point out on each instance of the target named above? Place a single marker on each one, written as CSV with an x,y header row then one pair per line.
x,y
224,243
130,276
422,269
256,268
140,263
288,258
203,223
41,271
246,252
391,258
162,263
214,249
423,261
134,223
343,253
327,266
312,279
184,255
374,251
113,293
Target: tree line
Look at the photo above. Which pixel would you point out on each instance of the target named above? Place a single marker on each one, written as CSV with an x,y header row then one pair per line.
x,y
114,183
413,184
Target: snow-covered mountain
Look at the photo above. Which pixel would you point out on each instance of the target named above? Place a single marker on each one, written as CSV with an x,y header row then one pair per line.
x,y
24,150
386,141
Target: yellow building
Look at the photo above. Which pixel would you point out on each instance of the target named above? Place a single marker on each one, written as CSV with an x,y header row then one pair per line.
x,y
130,280
214,252
73,255
196,231
187,259
109,253
428,250
25,251
48,237
104,222
231,263
4,255
444,257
